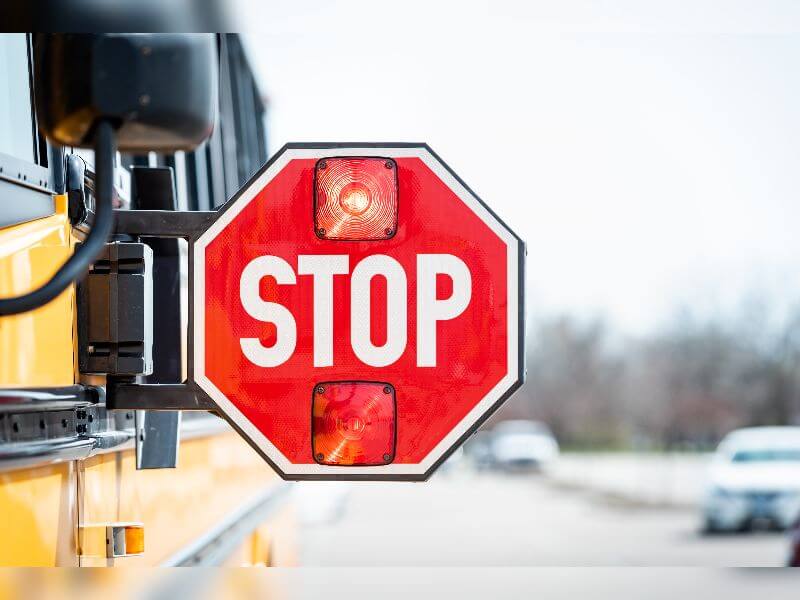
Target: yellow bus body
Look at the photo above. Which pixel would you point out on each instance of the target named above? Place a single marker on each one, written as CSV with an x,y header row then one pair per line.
x,y
55,513
36,348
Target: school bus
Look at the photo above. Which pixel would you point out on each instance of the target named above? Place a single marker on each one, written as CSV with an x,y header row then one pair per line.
x,y
82,483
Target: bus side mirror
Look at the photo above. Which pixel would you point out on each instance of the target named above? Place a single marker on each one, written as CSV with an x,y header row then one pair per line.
x,y
159,90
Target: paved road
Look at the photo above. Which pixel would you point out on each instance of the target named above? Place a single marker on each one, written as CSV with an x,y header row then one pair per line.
x,y
464,519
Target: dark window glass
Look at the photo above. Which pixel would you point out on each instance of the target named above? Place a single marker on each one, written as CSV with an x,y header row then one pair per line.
x,y
767,455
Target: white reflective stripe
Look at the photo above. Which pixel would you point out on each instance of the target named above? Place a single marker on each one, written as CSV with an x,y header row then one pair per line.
x,y
270,312
361,310
323,267
430,310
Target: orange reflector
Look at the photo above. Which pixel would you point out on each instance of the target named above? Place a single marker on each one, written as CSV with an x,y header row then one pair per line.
x,y
353,423
134,540
355,198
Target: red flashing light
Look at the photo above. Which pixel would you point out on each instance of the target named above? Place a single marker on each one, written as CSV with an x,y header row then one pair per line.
x,y
353,423
355,198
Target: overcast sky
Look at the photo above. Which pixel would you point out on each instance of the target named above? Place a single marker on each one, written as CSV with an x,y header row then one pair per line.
x,y
649,159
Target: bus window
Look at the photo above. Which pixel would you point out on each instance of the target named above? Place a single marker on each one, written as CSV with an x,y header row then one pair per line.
x,y
16,124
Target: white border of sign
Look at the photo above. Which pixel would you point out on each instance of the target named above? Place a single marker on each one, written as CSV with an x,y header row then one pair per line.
x,y
515,317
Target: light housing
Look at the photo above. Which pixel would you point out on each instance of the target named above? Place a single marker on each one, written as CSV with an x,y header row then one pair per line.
x,y
159,89
353,423
355,198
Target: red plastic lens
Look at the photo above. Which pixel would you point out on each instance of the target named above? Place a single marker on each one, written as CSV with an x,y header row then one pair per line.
x,y
355,198
353,423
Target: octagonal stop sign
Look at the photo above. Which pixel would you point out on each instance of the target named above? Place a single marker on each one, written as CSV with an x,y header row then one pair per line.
x,y
357,311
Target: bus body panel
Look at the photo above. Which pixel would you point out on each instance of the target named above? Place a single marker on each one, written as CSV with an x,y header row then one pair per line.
x,y
38,516
37,347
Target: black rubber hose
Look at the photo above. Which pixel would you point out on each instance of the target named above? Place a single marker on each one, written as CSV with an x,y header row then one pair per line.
x,y
76,266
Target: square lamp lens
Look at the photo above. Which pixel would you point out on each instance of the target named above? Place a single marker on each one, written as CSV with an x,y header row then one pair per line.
x,y
355,198
353,423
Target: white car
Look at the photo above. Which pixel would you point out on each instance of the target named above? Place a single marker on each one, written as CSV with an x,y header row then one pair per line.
x,y
523,444
754,478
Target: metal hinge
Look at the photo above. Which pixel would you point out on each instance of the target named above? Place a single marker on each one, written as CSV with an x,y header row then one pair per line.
x,y
115,312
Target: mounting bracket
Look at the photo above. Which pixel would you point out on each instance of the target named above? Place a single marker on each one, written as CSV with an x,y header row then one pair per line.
x,y
125,393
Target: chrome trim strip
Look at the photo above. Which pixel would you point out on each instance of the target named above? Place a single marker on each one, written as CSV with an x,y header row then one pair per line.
x,y
24,173
41,453
34,454
18,400
20,203
190,430
205,426
211,548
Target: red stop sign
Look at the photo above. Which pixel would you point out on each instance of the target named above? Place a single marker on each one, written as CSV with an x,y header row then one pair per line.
x,y
357,311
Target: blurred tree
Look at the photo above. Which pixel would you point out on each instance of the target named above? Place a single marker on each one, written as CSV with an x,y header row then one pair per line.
x,y
684,386
574,383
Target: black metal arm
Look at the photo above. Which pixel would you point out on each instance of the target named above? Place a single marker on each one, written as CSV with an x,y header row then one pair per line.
x,y
163,223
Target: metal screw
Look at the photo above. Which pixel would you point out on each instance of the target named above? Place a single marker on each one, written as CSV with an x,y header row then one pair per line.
x,y
387,390
389,231
320,457
146,50
320,390
321,232
388,164
144,100
322,165
387,457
